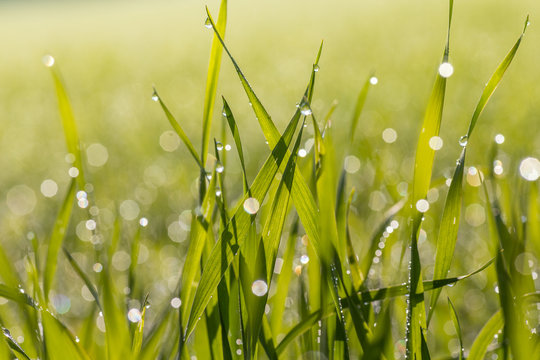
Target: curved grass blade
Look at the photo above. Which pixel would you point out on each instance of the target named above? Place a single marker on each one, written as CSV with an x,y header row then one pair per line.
x,y
178,129
68,124
485,337
212,80
83,277
57,237
494,81
455,320
448,230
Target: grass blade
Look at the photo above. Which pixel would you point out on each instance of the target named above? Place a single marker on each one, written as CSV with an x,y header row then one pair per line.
x,y
212,80
485,336
448,230
178,129
68,124
83,277
494,81
455,320
13,344
57,237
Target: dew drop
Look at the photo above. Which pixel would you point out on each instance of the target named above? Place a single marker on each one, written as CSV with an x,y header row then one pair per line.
x,y
48,60
305,109
446,70
219,168
219,146
422,205
176,302
316,68
134,315
436,143
259,287
155,96
207,23
251,206
463,140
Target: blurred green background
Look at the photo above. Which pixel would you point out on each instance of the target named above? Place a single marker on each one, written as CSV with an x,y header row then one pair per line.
x,y
111,53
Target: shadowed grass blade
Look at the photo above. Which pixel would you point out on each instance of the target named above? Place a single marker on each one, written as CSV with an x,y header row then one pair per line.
x,y
83,277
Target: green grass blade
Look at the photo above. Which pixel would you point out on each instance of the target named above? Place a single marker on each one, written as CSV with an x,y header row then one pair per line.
x,y
455,320
236,136
15,347
57,237
178,129
138,335
83,277
68,124
485,336
494,81
212,80
57,336
448,230
200,226
233,236
359,106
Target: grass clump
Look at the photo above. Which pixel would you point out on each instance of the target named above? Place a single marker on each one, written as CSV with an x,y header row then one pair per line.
x,y
272,267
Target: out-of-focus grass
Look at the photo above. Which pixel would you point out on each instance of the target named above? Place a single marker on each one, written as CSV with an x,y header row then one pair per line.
x,y
111,54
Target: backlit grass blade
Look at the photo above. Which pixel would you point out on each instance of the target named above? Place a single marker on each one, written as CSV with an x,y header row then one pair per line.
x,y
178,129
233,236
236,136
494,81
57,336
138,335
212,80
68,124
199,230
448,230
57,237
359,106
485,337
423,166
455,320
83,277
368,296
302,197
15,347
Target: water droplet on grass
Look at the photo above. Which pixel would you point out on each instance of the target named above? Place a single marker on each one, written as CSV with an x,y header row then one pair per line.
x,y
316,68
463,140
259,287
48,60
219,146
207,23
305,109
446,70
251,205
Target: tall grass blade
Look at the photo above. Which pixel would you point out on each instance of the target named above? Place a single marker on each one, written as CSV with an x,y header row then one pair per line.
x,y
57,237
178,129
448,230
83,277
455,320
485,336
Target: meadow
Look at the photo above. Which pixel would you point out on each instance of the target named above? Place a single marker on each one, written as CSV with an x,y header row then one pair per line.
x,y
345,181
